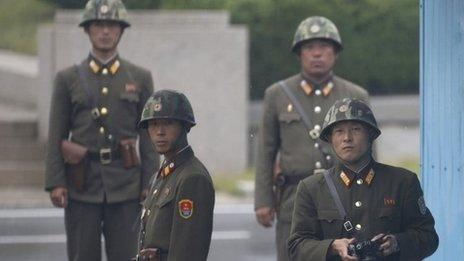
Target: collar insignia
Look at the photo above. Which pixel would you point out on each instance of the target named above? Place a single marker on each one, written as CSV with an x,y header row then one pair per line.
x,y
346,180
306,87
94,66
327,88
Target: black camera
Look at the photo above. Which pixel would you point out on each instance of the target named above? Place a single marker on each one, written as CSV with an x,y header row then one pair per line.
x,y
365,250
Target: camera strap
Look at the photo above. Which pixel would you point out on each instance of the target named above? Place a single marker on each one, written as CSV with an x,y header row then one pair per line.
x,y
341,210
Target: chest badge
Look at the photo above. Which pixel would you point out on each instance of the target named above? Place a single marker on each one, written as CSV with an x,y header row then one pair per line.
x,y
186,208
130,87
389,202
289,107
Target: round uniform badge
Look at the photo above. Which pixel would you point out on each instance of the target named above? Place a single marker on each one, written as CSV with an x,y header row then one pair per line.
x,y
104,9
185,208
315,28
343,108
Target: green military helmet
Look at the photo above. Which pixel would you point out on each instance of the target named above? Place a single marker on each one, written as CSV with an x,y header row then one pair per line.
x,y
167,104
349,110
110,10
316,27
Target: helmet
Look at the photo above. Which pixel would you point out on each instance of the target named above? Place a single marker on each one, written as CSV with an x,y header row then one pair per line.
x,y
167,104
349,110
316,27
112,10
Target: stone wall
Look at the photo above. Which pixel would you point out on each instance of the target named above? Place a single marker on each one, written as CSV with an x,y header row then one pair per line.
x,y
196,52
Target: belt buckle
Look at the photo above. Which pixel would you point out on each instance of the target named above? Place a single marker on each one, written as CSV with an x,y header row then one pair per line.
x,y
95,113
105,156
348,226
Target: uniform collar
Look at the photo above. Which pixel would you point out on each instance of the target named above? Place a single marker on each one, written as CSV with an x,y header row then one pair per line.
x,y
363,176
309,87
168,167
98,67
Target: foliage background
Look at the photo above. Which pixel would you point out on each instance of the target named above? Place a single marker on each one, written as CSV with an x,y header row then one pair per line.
x,y
380,38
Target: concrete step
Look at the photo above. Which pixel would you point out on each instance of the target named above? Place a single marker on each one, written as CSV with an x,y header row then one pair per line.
x,y
22,173
21,150
18,130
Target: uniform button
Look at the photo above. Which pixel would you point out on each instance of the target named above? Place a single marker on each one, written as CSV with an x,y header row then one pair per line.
x,y
317,109
316,145
358,204
318,165
328,157
105,90
102,130
358,226
318,92
105,71
359,181
148,212
317,127
103,111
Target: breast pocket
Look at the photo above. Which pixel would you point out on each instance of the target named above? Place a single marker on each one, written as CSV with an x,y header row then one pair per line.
x,y
331,223
389,220
130,96
165,199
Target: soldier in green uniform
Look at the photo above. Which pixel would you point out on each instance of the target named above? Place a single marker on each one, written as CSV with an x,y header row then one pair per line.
x,y
177,216
359,200
293,112
98,162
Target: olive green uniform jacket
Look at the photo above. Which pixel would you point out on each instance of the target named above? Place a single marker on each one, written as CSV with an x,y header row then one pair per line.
x,y
177,216
283,131
391,203
122,89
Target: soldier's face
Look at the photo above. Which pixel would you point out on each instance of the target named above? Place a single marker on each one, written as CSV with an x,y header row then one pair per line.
x,y
164,134
350,141
104,35
317,57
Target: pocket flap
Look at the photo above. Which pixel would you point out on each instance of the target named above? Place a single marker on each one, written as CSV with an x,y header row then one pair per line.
x,y
130,96
289,117
328,215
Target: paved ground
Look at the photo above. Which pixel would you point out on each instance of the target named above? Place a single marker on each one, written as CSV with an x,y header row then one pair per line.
x,y
38,235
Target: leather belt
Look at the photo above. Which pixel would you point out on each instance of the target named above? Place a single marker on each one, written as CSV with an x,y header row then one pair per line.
x,y
104,156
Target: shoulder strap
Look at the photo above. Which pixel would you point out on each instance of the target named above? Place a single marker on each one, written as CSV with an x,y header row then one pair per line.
x,y
307,122
334,194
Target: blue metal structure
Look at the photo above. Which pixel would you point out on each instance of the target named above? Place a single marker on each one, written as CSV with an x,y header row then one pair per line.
x,y
442,120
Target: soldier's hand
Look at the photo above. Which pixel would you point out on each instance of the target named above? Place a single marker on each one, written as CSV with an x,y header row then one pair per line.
x,y
265,216
389,244
339,247
59,197
149,254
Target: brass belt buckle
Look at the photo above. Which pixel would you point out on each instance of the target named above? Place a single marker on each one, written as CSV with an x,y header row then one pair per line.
x,y
105,156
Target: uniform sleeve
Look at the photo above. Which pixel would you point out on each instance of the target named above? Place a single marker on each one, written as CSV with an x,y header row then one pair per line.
x,y
192,220
148,157
59,126
419,239
305,241
268,146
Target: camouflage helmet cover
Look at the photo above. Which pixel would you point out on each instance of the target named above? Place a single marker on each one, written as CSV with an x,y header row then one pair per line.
x,y
316,27
112,10
167,104
349,110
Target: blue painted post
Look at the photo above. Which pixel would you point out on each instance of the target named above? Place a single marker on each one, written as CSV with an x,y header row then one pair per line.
x,y
442,120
